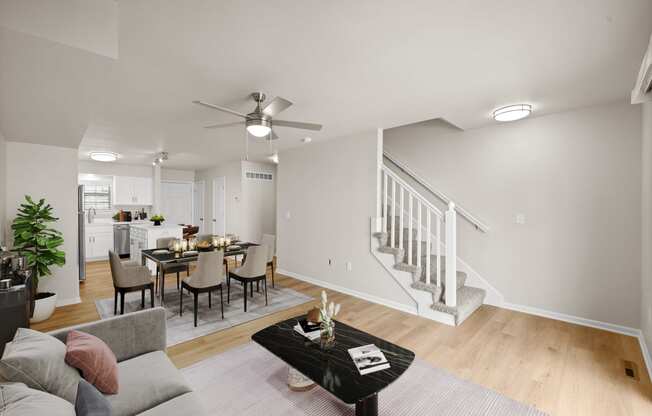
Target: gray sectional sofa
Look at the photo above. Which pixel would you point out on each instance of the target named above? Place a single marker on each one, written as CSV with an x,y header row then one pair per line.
x,y
149,383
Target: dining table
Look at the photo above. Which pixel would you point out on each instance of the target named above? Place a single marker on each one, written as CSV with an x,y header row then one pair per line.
x,y
165,258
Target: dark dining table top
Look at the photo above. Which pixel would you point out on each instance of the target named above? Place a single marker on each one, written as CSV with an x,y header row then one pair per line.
x,y
333,369
171,257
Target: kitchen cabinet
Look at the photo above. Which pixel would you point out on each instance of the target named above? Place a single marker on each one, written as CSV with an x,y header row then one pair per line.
x,y
144,236
132,190
99,240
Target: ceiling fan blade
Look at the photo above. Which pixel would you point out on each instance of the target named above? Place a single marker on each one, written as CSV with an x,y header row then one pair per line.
x,y
219,126
275,106
217,107
297,124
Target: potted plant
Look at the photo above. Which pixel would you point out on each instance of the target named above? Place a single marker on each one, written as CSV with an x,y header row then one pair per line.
x,y
158,219
34,239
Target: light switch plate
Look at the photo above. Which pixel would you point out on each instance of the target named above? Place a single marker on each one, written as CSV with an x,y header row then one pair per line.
x,y
520,219
288,215
349,266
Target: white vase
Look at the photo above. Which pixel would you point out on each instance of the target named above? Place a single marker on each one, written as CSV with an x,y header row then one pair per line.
x,y
43,309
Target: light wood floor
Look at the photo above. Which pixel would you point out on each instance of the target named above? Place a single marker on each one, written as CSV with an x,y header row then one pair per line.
x,y
561,368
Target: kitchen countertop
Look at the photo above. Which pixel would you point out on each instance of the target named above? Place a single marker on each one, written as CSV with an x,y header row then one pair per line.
x,y
151,226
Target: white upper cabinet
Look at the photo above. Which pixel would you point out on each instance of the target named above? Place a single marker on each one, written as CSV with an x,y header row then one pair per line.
x,y
131,190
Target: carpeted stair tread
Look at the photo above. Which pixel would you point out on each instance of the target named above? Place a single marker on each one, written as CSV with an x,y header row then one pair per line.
x,y
468,300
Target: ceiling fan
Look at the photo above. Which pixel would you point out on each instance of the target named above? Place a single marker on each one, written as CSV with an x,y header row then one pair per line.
x,y
259,122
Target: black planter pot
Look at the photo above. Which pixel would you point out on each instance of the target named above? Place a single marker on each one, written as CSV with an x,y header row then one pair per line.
x,y
157,222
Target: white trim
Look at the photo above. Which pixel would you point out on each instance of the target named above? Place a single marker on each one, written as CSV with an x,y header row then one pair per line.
x,y
646,353
619,329
365,296
69,301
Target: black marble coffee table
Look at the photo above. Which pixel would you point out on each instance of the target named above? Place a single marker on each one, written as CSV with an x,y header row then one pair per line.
x,y
333,369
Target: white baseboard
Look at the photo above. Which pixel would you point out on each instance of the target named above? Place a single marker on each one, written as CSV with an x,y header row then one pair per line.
x,y
371,298
619,329
69,301
646,353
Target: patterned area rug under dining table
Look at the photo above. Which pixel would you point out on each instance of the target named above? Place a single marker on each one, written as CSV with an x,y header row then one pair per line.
x,y
181,328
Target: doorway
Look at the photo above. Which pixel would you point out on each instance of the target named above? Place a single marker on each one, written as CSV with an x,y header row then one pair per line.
x,y
199,189
219,205
176,202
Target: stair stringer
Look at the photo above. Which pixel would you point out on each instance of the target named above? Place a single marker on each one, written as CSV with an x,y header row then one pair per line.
x,y
422,299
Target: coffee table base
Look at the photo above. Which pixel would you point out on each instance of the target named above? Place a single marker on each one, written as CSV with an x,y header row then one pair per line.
x,y
298,382
367,407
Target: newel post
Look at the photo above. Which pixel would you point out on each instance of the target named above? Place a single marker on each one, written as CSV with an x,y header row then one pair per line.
x,y
451,255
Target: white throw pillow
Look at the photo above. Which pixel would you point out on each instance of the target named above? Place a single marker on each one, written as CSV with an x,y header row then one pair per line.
x,y
16,399
38,360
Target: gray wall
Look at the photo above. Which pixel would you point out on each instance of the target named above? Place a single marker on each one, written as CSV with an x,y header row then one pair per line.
x,y
646,275
576,176
48,172
3,187
232,172
329,191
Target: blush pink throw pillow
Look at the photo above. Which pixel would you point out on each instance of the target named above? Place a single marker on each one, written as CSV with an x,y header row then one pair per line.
x,y
94,359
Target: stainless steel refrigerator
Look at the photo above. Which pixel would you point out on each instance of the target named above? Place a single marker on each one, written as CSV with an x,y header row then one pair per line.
x,y
81,245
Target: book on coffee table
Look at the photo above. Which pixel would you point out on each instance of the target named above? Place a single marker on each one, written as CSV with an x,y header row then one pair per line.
x,y
310,331
368,359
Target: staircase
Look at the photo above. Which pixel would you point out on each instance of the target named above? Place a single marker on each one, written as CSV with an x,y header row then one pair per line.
x,y
416,243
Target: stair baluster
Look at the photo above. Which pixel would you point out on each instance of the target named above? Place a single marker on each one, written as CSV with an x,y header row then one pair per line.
x,y
400,222
393,230
385,210
428,242
410,228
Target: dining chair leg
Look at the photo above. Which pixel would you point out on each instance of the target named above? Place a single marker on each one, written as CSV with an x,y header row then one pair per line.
x,y
221,302
273,273
245,295
228,289
265,284
195,310
178,278
156,280
151,295
187,270
257,286
181,303
142,298
115,301
209,300
251,289
122,303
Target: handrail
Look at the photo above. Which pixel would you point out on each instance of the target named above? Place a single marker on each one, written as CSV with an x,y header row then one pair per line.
x,y
479,225
404,184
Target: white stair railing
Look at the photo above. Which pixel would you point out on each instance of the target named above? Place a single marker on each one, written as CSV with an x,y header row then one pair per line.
x,y
418,206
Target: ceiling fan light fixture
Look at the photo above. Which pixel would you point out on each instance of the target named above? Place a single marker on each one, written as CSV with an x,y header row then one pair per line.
x,y
258,130
104,156
512,112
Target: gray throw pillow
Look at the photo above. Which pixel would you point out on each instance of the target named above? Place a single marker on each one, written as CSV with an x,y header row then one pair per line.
x,y
38,360
16,399
90,402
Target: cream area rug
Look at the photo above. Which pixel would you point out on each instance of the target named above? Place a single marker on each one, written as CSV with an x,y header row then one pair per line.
x,y
182,329
250,381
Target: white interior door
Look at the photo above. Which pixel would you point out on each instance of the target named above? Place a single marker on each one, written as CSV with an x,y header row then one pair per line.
x,y
176,202
198,206
219,205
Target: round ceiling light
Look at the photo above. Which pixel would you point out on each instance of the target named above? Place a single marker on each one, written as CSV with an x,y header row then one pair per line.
x,y
512,112
258,130
104,156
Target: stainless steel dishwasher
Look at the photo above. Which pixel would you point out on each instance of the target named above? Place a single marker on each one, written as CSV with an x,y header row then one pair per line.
x,y
121,244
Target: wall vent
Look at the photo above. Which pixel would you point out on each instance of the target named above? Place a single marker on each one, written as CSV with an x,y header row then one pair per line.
x,y
259,176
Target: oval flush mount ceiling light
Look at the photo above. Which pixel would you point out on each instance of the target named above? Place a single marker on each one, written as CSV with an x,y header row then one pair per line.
x,y
512,112
104,156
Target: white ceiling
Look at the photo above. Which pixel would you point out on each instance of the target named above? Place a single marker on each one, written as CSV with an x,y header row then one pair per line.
x,y
351,66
